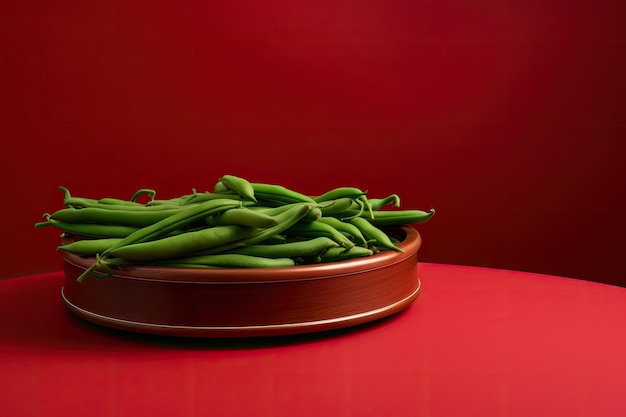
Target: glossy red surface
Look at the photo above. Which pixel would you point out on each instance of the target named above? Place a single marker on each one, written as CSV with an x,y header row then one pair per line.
x,y
247,301
478,342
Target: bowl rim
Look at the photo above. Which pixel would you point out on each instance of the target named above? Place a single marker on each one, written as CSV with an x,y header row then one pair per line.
x,y
409,245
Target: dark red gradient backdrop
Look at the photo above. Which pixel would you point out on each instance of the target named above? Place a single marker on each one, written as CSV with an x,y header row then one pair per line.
x,y
507,117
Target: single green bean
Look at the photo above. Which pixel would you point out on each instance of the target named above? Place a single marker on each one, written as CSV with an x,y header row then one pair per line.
x,y
68,196
228,260
93,231
151,194
317,229
77,203
340,192
340,254
117,201
312,247
313,215
202,197
242,216
184,243
88,247
135,218
278,193
220,188
401,217
337,206
345,227
372,232
378,203
239,185
390,217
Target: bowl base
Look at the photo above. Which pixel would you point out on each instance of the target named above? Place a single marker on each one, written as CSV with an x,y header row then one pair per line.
x,y
242,331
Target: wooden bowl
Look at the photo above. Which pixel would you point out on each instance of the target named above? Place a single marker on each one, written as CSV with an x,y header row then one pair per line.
x,y
240,302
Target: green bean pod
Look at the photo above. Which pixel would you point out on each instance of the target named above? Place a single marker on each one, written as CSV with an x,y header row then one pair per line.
x,y
92,231
181,244
341,254
337,206
317,229
80,203
221,188
378,203
242,216
117,201
347,228
371,232
284,221
177,221
312,216
168,225
176,201
312,247
202,197
135,218
239,185
143,191
228,260
340,192
401,217
67,196
280,194
89,247
390,217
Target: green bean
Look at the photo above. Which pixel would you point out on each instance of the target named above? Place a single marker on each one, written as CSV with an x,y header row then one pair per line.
x,y
242,216
378,203
390,217
400,217
345,227
349,214
93,231
317,229
117,201
177,221
176,201
228,260
68,196
178,245
275,240
280,194
239,185
88,247
202,197
367,205
340,192
139,193
170,224
337,206
313,215
284,221
340,254
104,216
220,188
372,232
312,247
77,203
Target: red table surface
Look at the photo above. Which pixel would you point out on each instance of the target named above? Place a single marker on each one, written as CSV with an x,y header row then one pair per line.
x,y
477,342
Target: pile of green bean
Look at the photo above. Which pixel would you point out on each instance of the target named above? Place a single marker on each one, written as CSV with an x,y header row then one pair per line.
x,y
237,224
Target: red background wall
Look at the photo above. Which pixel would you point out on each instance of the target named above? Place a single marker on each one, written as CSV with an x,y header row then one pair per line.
x,y
506,117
